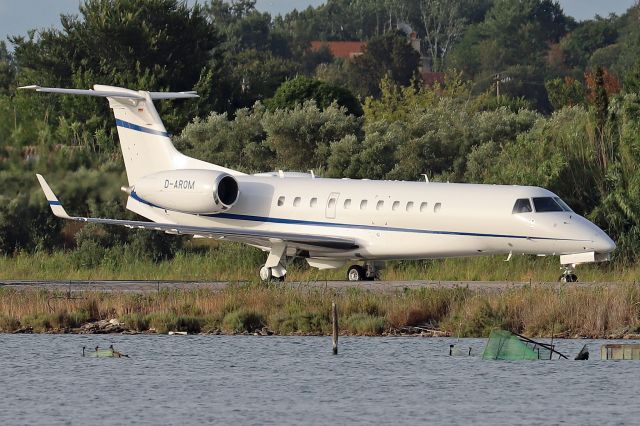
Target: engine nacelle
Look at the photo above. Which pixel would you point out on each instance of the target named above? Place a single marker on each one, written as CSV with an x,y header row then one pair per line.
x,y
188,191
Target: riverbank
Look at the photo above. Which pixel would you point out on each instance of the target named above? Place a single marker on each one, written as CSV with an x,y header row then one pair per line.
x,y
536,311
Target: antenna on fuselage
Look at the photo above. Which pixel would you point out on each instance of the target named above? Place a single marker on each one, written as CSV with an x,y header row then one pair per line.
x,y
426,177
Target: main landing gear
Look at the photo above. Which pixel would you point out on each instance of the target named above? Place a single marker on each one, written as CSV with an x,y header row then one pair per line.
x,y
368,272
568,274
276,273
274,269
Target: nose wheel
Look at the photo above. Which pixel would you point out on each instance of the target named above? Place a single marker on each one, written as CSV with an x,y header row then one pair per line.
x,y
568,276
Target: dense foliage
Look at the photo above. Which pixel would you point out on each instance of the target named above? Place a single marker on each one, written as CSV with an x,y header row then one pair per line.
x,y
529,97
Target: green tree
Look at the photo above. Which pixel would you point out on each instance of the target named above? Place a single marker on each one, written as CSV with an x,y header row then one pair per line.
x,y
301,137
589,36
300,89
389,54
7,69
632,79
565,92
149,44
235,143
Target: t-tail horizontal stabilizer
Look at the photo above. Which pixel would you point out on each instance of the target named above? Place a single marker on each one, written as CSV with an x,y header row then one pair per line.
x,y
112,92
55,205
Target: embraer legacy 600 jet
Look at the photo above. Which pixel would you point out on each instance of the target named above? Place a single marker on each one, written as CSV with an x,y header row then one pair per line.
x,y
329,222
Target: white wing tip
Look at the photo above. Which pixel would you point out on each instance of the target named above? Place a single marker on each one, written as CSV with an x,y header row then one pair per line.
x,y
32,87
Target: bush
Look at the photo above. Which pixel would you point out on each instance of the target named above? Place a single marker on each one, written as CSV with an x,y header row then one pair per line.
x,y
305,323
240,321
88,255
137,322
365,324
8,324
164,322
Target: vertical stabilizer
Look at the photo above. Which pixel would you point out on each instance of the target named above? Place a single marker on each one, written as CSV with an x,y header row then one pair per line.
x,y
146,145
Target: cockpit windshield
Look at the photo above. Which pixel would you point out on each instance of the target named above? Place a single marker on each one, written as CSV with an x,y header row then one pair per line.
x,y
541,204
546,204
562,204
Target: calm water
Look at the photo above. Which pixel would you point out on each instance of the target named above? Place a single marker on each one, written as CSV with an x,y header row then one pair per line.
x,y
295,380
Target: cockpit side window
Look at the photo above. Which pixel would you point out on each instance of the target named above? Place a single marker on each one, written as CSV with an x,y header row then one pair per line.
x,y
562,204
546,204
522,205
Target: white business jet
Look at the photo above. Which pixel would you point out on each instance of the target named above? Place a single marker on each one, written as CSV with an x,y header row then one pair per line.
x,y
329,222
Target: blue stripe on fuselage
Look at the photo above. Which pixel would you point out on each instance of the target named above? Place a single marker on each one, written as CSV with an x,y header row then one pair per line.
x,y
266,219
127,125
54,203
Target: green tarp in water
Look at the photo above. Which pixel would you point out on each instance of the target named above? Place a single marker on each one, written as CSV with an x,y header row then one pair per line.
x,y
505,345
101,353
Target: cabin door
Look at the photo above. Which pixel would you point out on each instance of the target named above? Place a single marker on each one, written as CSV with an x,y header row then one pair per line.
x,y
332,203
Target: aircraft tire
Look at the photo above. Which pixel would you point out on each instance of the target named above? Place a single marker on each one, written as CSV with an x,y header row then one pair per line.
x,y
568,278
356,273
265,274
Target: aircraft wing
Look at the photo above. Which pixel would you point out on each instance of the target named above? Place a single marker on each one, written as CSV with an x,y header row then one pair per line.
x,y
249,236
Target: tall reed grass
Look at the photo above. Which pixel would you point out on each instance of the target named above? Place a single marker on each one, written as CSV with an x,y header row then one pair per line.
x,y
597,311
234,262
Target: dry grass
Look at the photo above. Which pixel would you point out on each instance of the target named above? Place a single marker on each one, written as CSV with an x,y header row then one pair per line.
x,y
535,311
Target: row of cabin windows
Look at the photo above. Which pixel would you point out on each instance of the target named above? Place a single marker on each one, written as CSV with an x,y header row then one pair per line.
x,y
313,202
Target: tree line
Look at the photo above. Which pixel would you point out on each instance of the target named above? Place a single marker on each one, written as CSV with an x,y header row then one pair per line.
x,y
566,117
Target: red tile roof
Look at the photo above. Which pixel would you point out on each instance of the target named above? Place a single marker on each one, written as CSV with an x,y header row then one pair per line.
x,y
341,49
430,78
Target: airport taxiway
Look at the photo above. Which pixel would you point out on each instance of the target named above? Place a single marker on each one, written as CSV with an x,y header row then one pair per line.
x,y
139,286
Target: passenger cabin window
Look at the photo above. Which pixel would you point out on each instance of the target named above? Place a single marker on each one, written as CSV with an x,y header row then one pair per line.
x,y
437,207
409,206
363,204
332,203
313,202
395,206
296,202
281,201
423,207
546,204
522,205
347,203
380,205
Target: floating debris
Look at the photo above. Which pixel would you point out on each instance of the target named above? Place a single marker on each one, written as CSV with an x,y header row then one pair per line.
x,y
103,353
583,355
177,333
454,351
620,351
103,327
505,345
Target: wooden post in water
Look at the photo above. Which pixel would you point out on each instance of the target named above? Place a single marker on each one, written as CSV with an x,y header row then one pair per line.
x,y
334,315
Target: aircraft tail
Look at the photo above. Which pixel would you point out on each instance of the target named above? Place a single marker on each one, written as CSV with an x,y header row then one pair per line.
x,y
145,143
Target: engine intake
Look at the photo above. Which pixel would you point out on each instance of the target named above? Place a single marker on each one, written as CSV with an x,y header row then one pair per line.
x,y
188,191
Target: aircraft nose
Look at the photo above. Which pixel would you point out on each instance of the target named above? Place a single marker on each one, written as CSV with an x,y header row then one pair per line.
x,y
603,244
600,240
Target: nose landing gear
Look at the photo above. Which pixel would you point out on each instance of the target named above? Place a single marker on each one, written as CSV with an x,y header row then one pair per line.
x,y
568,274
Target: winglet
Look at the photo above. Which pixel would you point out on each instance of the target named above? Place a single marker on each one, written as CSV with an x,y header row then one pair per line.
x,y
55,205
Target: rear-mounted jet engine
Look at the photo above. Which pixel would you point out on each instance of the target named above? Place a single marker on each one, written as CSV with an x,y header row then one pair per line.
x,y
188,191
